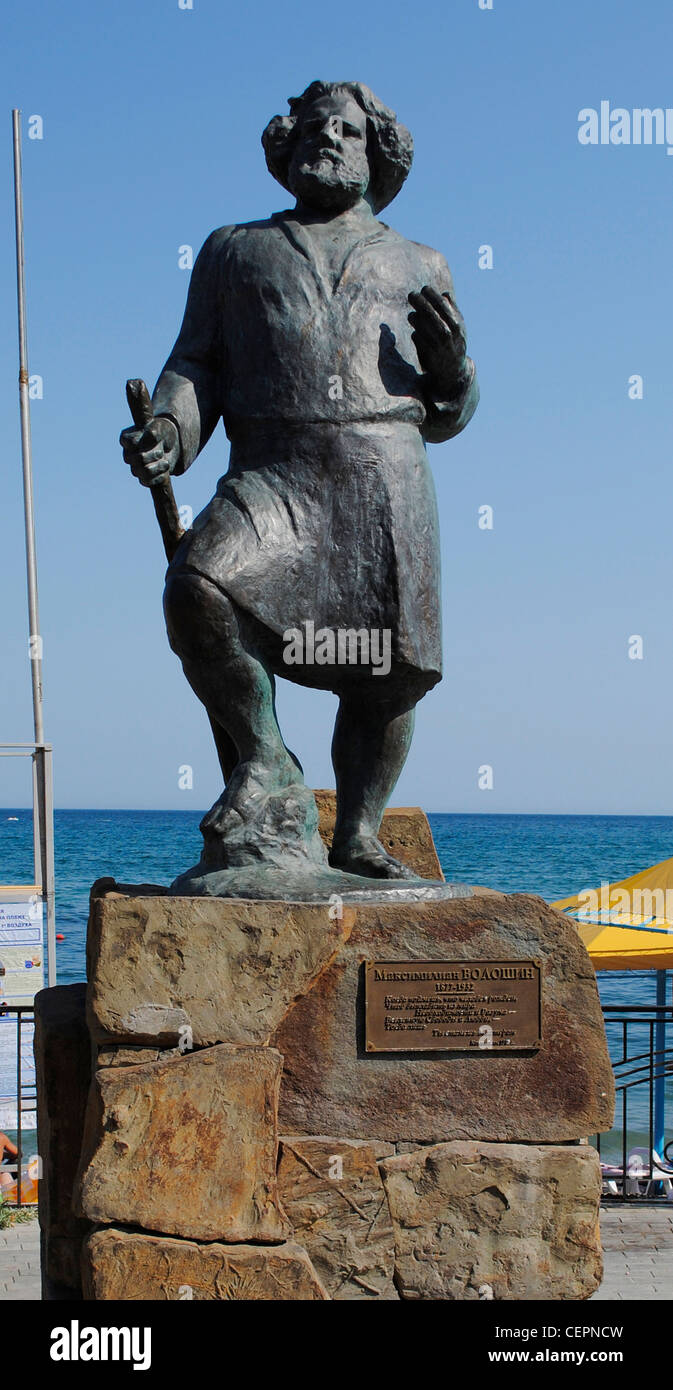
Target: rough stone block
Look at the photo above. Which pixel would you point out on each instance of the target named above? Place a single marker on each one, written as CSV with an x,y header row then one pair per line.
x,y
563,1091
381,1148
227,970
501,1221
187,1146
131,1267
405,833
332,1192
63,1071
126,1056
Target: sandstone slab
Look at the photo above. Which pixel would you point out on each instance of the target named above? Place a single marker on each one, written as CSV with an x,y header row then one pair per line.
x,y
381,1148
186,1146
405,833
111,1056
332,1192
63,1072
211,970
131,1267
495,1221
562,1091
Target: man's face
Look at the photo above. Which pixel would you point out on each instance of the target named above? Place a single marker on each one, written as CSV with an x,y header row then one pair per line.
x,y
329,169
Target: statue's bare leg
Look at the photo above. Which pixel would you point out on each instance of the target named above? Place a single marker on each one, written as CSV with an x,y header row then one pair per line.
x,y
224,667
369,749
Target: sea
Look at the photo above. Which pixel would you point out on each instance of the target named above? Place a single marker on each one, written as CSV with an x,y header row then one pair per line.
x,y
551,855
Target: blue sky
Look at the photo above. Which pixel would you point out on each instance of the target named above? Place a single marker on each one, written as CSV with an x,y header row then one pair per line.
x,y
152,119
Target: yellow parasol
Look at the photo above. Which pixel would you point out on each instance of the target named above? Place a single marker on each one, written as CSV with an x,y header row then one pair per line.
x,y
627,925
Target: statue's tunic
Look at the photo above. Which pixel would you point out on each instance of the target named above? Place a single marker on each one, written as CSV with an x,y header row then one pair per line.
x,y
327,513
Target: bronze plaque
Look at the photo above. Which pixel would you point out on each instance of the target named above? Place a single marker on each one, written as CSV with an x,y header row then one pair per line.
x,y
452,1005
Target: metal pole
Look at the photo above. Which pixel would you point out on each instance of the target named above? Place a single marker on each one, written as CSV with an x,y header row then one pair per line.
x,y
26,453
659,1067
47,838
43,811
19,1117
37,828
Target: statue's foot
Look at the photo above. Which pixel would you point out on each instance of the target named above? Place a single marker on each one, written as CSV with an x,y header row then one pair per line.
x,y
266,814
364,854
248,784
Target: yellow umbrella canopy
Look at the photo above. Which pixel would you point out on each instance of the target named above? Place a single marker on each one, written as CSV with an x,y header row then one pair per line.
x,y
627,925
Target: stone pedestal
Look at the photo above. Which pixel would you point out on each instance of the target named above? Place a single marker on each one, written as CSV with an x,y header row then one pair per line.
x,y
217,1025
63,1074
563,1091
186,1146
131,1267
405,833
496,1221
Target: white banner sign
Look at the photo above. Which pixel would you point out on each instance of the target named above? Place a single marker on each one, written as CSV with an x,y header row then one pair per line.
x,y
21,951
21,976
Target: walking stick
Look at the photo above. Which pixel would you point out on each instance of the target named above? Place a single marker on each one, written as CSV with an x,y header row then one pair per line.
x,y
172,531
163,497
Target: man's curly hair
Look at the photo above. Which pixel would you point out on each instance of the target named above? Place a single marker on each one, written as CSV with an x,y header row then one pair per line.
x,y
390,147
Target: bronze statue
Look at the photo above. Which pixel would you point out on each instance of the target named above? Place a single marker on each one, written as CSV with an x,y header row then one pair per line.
x,y
333,351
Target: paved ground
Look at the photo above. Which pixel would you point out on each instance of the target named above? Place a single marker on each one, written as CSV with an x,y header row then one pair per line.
x,y
637,1252
20,1262
637,1244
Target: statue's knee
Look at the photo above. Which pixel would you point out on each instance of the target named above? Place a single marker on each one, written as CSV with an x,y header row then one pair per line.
x,y
185,604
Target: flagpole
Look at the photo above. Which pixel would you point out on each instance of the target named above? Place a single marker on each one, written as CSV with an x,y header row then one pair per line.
x,y
43,810
26,449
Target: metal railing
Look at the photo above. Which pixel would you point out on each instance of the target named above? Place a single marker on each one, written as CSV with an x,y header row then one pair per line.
x,y
26,1099
639,1038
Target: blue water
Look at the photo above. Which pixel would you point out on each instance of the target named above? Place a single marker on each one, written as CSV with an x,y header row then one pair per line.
x,y
556,856
550,855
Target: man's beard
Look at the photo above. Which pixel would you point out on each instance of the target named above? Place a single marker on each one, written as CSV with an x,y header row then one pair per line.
x,y
328,184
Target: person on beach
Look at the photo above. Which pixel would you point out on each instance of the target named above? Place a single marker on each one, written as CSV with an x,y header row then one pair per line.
x,y
8,1150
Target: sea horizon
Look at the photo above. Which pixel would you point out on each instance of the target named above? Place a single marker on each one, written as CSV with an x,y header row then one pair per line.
x,y
551,854
200,811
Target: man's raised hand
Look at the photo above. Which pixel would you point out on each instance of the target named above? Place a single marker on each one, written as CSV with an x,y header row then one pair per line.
x,y
439,337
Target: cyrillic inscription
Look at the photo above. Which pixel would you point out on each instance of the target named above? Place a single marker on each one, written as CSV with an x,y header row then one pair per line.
x,y
453,1006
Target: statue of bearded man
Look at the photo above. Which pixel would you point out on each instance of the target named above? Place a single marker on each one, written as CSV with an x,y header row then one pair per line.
x,y
332,349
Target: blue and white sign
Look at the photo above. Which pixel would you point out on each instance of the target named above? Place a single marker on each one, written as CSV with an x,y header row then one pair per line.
x,y
21,950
